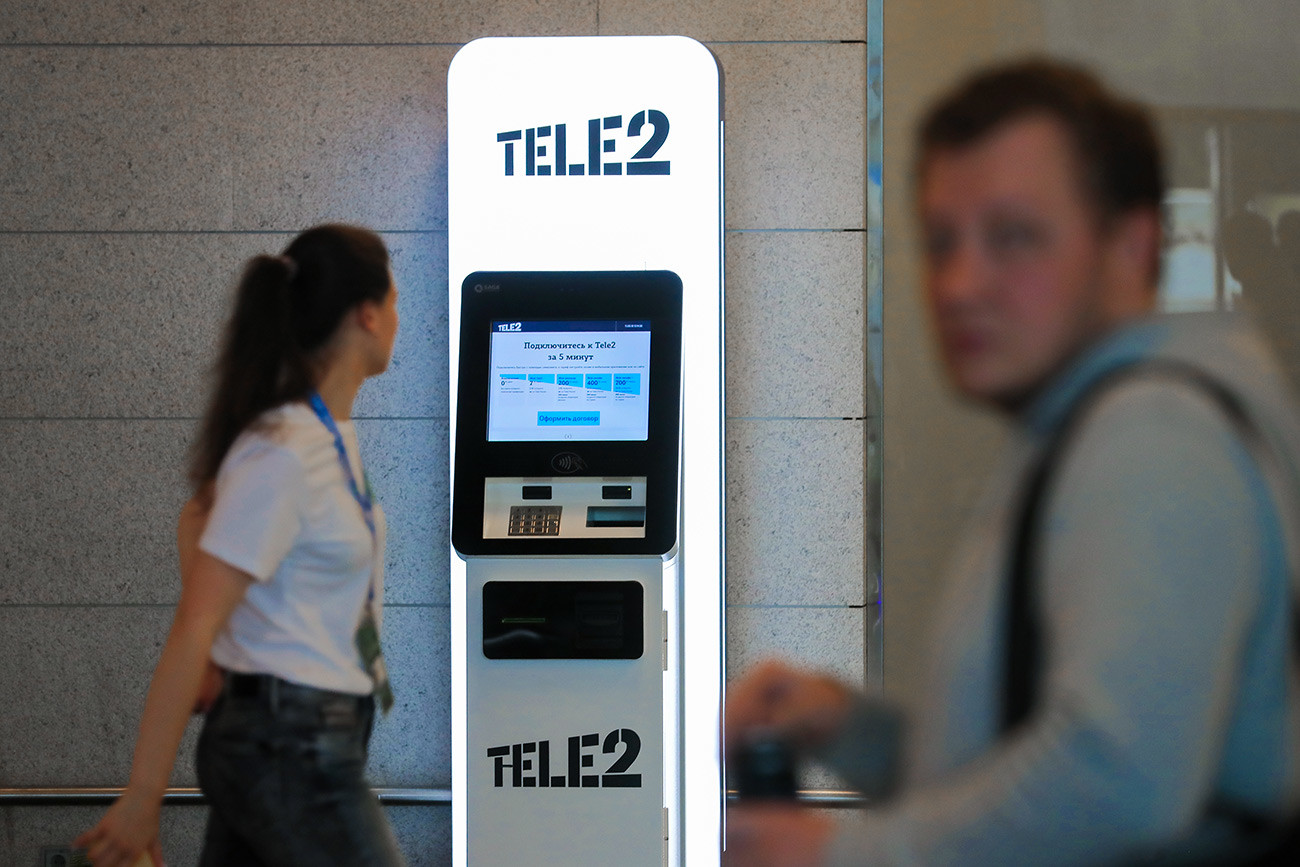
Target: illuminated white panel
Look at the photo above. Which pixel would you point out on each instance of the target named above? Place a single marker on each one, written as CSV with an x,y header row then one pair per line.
x,y
528,119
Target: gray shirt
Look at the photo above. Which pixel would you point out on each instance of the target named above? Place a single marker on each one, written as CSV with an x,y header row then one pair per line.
x,y
1163,591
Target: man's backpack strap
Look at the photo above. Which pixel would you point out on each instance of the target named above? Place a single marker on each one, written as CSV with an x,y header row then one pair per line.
x,y
1024,647
1266,840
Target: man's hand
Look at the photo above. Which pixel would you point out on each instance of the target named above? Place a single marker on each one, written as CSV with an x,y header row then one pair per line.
x,y
803,708
776,835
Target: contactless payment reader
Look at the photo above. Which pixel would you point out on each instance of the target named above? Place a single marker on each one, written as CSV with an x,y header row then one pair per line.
x,y
585,298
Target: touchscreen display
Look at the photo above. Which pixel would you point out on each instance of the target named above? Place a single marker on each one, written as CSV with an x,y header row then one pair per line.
x,y
569,380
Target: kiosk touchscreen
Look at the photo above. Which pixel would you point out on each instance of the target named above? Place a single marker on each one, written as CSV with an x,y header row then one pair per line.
x,y
565,508
569,404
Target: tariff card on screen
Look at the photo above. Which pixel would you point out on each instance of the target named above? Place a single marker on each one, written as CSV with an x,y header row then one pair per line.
x,y
577,380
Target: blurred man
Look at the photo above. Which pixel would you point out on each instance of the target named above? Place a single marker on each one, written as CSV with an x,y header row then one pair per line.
x,y
1111,681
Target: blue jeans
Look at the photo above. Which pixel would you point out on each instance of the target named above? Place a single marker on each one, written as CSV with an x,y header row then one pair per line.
x,y
283,769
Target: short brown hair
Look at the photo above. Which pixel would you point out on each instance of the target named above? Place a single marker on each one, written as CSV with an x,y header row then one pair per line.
x,y
1114,138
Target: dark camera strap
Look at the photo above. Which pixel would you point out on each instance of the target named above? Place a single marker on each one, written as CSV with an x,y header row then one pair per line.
x,y
1023,662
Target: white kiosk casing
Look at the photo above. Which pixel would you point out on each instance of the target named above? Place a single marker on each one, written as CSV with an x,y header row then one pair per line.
x,y
578,155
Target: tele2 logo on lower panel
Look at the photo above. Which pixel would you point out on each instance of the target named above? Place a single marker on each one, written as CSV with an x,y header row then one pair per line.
x,y
530,763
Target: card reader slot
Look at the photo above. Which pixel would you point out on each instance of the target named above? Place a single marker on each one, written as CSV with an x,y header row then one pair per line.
x,y
616,516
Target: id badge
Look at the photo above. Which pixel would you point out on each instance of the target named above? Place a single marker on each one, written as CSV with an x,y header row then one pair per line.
x,y
372,657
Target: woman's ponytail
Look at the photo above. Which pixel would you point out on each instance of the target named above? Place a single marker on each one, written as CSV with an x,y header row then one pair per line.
x,y
258,367
286,308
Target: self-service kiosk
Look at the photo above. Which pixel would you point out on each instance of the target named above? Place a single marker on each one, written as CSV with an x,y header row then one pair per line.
x,y
585,298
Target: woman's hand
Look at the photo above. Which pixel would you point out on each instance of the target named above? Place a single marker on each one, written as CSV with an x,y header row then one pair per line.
x,y
126,834
208,597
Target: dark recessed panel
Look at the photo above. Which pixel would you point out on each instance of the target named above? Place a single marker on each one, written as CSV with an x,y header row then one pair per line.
x,y
563,620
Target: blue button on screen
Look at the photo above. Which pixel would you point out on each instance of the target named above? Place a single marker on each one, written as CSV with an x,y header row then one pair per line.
x,y
565,419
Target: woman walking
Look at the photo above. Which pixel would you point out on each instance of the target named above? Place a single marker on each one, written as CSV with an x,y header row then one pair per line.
x,y
281,556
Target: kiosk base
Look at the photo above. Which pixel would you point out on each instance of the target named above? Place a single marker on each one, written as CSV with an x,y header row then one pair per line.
x,y
566,693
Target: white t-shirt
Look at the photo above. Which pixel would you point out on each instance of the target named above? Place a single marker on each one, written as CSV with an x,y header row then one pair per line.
x,y
284,514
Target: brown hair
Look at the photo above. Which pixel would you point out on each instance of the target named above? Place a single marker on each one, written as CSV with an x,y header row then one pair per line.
x,y
1113,138
286,308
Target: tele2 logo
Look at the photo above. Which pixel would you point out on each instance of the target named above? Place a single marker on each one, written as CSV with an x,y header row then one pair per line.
x,y
546,148
529,763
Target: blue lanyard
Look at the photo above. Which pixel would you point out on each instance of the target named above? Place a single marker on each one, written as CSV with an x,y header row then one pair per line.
x,y
362,497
